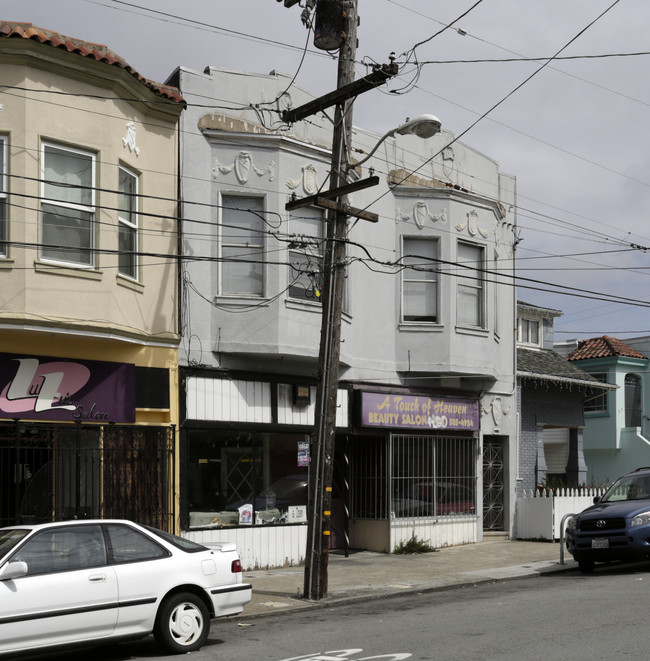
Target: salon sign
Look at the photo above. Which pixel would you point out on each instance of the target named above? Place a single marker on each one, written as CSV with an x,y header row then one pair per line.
x,y
40,388
418,412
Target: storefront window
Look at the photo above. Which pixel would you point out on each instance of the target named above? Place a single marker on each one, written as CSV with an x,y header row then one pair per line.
x,y
413,476
433,476
243,478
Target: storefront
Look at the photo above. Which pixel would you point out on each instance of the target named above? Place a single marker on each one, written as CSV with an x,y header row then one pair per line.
x,y
83,438
415,467
409,465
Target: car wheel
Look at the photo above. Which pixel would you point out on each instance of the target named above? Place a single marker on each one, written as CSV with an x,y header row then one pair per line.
x,y
586,566
182,624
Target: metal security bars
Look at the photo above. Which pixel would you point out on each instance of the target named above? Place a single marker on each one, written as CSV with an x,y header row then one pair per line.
x,y
57,472
414,476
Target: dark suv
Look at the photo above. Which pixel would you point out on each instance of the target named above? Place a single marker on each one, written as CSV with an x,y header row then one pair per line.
x,y
616,526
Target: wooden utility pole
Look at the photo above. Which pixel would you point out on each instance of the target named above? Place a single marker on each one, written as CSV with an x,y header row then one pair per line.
x,y
323,439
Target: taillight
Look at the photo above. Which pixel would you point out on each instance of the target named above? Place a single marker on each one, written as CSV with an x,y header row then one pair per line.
x,y
235,567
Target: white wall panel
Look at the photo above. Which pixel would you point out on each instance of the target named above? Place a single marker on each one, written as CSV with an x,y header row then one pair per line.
x,y
226,400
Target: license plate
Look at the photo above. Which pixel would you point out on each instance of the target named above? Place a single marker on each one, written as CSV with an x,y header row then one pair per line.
x,y
600,543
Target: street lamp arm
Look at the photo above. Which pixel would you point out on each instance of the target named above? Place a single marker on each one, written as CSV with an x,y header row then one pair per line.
x,y
424,126
350,166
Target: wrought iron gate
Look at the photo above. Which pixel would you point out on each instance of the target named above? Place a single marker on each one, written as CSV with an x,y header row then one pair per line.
x,y
57,472
493,484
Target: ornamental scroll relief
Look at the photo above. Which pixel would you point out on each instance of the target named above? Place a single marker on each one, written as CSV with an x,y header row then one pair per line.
x,y
308,178
420,214
243,166
496,408
472,225
129,139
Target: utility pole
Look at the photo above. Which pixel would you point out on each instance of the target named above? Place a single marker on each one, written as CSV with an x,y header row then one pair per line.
x,y
323,439
331,33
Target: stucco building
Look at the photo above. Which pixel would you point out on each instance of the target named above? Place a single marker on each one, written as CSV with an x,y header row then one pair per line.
x,y
427,396
617,429
88,282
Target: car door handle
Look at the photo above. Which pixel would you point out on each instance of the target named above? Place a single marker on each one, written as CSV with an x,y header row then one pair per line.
x,y
97,578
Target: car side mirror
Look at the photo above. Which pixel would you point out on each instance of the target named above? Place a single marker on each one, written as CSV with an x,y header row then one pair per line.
x,y
13,570
596,499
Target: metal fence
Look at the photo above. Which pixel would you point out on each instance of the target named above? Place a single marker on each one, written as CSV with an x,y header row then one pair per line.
x,y
413,476
59,472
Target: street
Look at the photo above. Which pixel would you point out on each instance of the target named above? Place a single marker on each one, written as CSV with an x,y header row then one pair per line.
x,y
553,616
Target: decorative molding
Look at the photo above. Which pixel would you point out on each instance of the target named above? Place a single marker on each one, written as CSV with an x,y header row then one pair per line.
x,y
472,225
243,166
496,409
420,214
308,178
129,139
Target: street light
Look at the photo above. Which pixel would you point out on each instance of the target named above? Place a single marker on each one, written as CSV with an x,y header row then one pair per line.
x,y
424,126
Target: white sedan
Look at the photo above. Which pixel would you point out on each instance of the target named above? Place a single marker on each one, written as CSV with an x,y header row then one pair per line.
x,y
81,582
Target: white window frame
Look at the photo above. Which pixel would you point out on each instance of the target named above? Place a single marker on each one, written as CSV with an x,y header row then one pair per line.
x,y
251,250
428,278
4,206
129,223
306,254
81,208
471,283
524,327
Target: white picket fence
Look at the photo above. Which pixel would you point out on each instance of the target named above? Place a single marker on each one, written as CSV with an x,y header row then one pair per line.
x,y
539,514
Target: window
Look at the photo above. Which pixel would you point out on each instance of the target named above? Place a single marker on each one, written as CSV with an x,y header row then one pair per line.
x,y
632,400
129,545
420,280
426,476
240,478
470,285
68,205
597,403
4,230
63,549
432,476
128,261
528,332
305,254
242,246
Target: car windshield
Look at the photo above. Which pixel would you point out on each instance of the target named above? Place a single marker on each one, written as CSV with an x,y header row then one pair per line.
x,y
178,542
9,538
631,487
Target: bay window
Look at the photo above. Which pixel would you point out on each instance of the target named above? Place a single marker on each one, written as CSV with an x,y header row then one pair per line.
x,y
242,246
128,239
420,280
306,254
4,229
68,205
470,291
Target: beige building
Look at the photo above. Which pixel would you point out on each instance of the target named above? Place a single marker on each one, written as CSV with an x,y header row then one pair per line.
x,y
89,325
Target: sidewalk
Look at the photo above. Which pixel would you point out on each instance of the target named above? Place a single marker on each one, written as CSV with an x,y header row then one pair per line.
x,y
365,575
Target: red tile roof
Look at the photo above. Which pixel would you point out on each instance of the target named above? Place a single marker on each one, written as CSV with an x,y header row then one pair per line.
x,y
603,347
98,52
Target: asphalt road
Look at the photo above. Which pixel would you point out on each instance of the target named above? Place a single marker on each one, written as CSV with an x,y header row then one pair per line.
x,y
556,616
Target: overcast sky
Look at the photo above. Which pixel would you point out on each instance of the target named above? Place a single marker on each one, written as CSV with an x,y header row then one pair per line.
x,y
575,135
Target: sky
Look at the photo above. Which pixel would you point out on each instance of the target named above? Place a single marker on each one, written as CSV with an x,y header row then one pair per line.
x,y
565,108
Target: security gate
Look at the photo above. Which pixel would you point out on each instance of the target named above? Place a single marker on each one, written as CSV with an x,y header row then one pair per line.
x,y
57,472
493,483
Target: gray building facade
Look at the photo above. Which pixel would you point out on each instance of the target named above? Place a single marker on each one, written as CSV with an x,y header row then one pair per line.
x,y
426,414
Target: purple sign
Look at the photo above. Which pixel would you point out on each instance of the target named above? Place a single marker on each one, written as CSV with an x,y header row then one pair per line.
x,y
42,388
418,412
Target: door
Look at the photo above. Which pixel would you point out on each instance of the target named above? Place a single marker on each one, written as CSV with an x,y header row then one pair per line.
x,y
493,483
68,595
